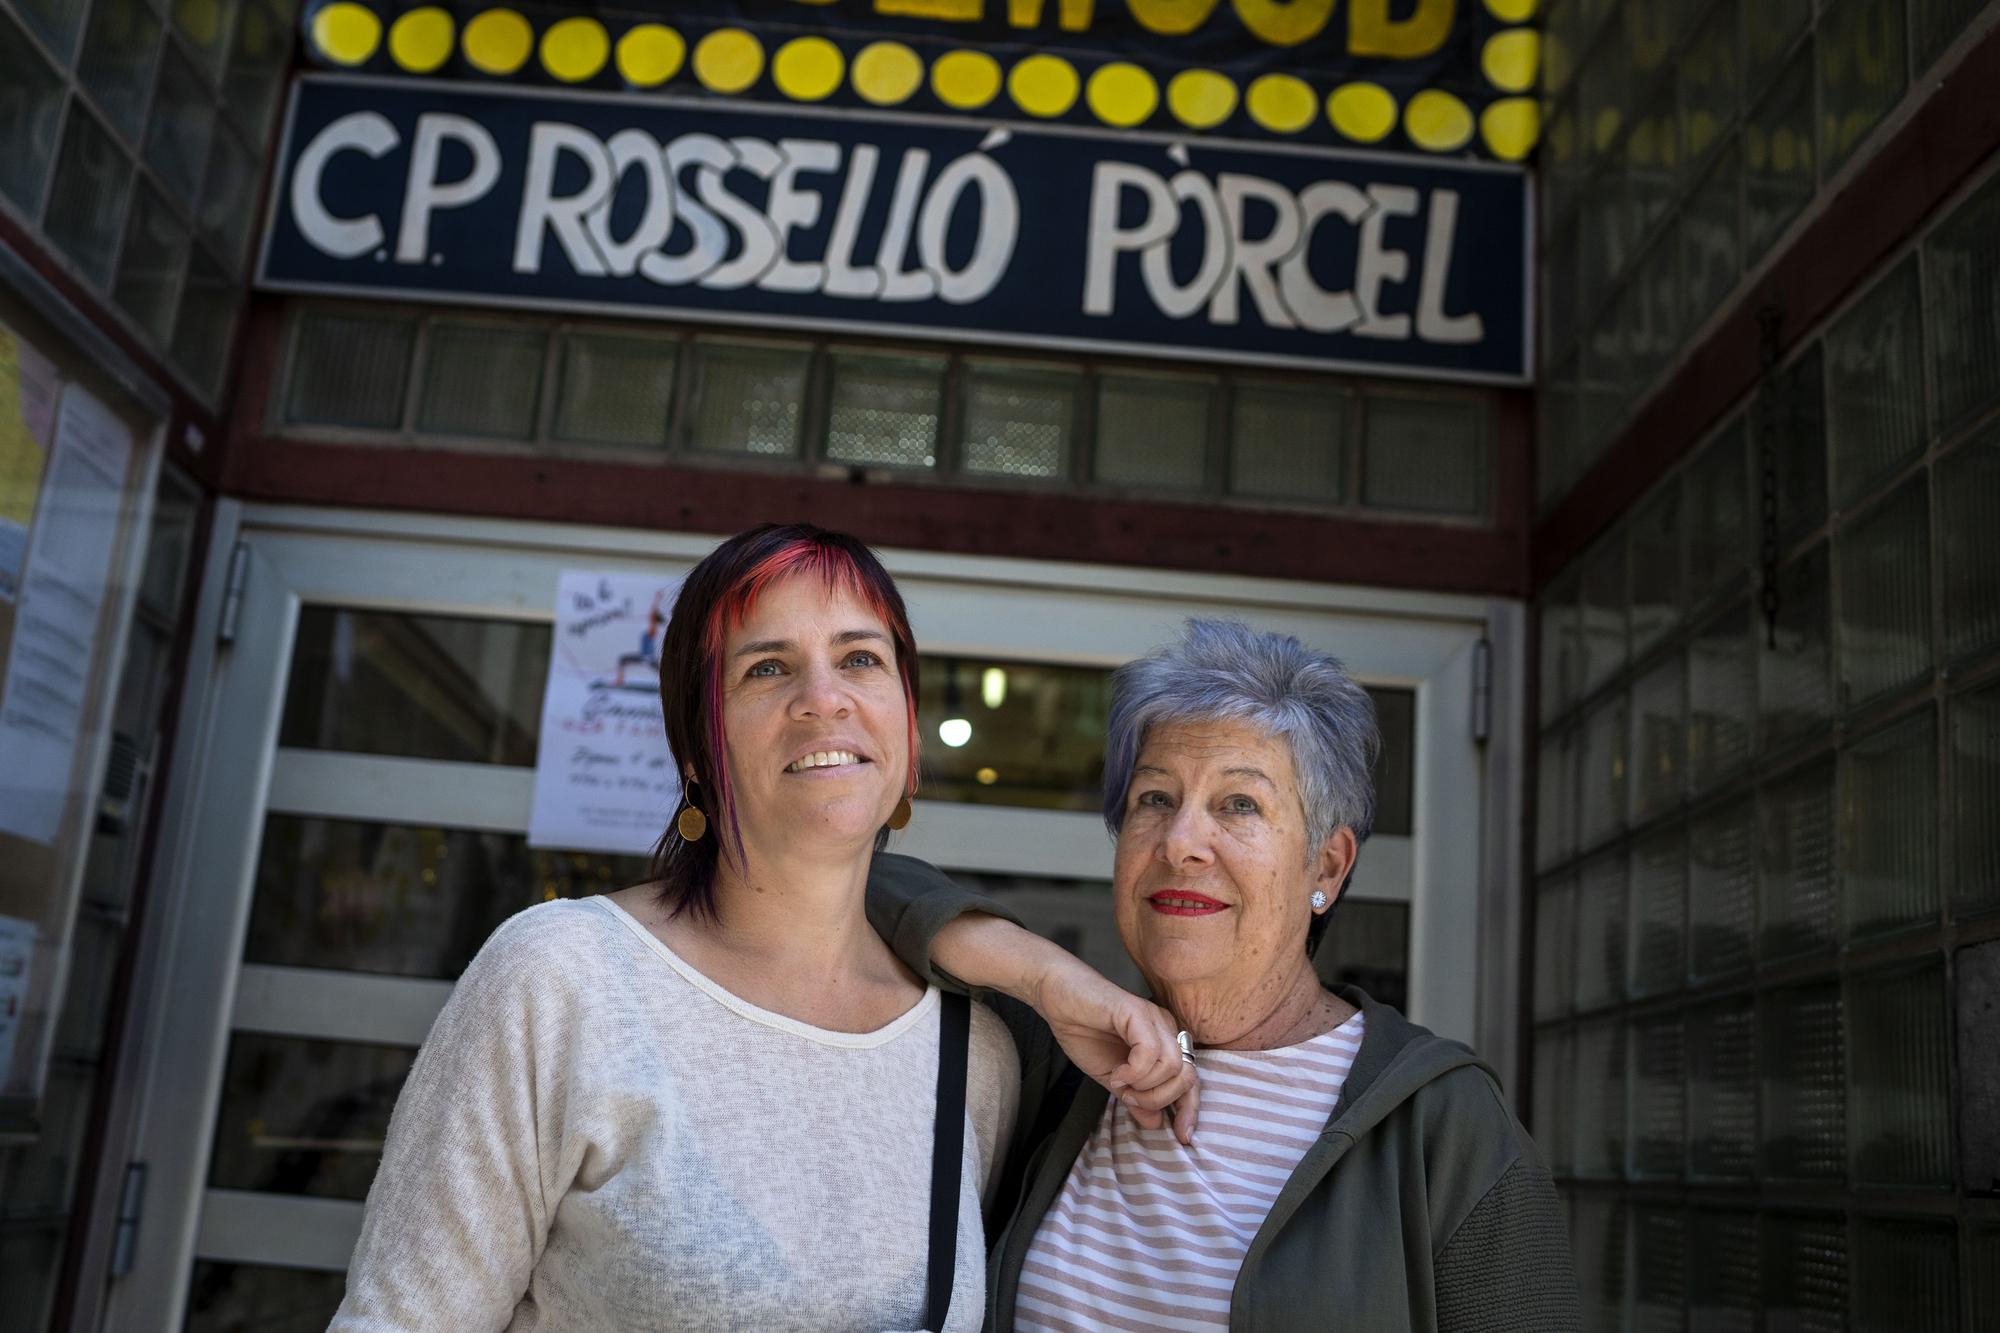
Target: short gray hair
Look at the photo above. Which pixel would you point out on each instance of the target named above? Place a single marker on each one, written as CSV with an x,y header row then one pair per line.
x,y
1224,671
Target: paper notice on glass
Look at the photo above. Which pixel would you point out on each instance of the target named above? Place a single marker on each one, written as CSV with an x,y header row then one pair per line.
x,y
27,422
17,956
63,585
604,780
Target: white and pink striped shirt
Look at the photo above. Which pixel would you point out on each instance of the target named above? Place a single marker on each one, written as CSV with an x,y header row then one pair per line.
x,y
1149,1235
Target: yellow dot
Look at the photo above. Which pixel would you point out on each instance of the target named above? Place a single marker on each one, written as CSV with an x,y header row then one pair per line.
x,y
728,60
1510,127
650,54
1201,98
886,73
1639,145
1363,112
1605,128
199,19
807,68
1122,94
1437,121
498,41
1511,59
1784,152
575,49
965,79
1512,11
1281,103
346,34
421,39
1043,85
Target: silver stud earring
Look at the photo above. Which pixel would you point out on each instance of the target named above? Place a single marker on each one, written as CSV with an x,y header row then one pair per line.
x,y
1319,900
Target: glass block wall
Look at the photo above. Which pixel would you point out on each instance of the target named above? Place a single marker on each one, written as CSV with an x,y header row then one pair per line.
x,y
1683,137
650,393
132,139
1767,902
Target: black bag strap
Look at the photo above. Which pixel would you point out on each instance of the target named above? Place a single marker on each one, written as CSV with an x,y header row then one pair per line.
x,y
947,1152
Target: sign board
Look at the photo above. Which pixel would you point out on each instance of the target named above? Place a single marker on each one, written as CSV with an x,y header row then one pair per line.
x,y
604,778
902,225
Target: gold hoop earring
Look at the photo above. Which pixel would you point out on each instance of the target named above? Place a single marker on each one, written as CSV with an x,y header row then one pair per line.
x,y
691,823
899,818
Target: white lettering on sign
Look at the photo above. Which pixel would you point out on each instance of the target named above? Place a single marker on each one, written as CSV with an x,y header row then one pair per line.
x,y
1271,264
344,238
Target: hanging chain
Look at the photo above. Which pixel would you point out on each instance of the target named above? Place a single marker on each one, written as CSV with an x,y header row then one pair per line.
x,y
1768,319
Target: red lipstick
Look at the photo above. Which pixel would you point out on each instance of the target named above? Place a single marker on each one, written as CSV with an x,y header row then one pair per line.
x,y
1184,902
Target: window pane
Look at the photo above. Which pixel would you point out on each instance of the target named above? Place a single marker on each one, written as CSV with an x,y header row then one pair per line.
x,y
1603,613
1600,1100
1722,699
1711,235
179,125
1075,913
28,114
1722,1091
54,21
1659,1075
1559,665
1152,431
482,379
1805,1273
1286,442
403,901
1555,1091
349,368
1019,420
206,325
1659,914
1860,71
422,687
1962,293
117,62
305,1117
1906,1277
1600,933
748,398
1885,596
1711,81
87,204
1900,1098
233,1298
1427,454
1975,781
1659,1267
150,264
1778,148
1368,945
1875,385
1555,947
884,409
1803,1081
1659,740
1888,828
1034,734
1968,495
1602,779
1395,775
1597,1230
1769,28
1935,24
257,59
1794,678
1656,567
1722,890
204,25
616,389
1796,860
1555,798
1725,1272
228,199
1799,452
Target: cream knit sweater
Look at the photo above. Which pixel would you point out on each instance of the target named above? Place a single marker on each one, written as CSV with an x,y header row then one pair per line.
x,y
598,1137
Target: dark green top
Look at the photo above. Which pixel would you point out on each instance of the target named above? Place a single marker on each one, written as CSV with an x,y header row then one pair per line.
x,y
1423,1206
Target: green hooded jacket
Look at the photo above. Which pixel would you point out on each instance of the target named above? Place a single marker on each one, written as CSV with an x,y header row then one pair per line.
x,y
1423,1206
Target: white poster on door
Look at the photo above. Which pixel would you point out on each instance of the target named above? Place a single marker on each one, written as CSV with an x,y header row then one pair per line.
x,y
604,780
66,577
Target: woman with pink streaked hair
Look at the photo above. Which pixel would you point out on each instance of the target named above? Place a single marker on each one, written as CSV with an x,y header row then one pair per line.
x,y
717,1100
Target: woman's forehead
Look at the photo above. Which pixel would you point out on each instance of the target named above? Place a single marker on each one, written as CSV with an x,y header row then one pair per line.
x,y
1201,746
806,608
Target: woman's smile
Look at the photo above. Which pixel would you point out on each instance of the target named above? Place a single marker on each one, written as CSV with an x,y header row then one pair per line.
x,y
1185,902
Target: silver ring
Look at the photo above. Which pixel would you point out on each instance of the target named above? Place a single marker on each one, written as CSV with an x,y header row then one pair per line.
x,y
1186,1043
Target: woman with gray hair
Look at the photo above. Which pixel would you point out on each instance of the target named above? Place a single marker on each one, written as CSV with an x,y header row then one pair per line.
x,y
1338,1167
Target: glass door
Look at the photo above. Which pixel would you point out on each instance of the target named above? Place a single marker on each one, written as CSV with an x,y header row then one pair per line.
x,y
362,831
